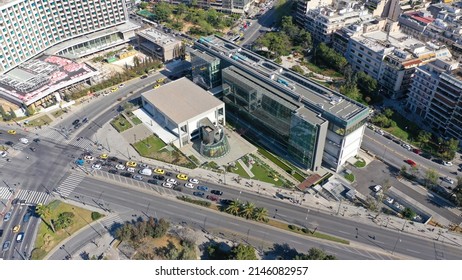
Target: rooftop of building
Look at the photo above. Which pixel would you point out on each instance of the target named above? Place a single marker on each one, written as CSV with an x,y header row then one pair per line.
x,y
380,41
181,100
40,76
124,27
294,85
158,37
340,11
419,17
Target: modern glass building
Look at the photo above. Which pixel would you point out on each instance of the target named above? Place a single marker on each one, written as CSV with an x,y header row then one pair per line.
x,y
205,69
265,110
29,27
300,119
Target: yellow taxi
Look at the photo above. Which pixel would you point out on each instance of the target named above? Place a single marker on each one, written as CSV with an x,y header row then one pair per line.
x,y
131,164
103,156
12,132
113,89
156,86
161,80
159,171
16,228
182,176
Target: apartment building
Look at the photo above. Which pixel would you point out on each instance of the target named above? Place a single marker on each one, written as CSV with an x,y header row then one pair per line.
x,y
391,57
303,6
436,96
322,22
29,27
297,118
226,6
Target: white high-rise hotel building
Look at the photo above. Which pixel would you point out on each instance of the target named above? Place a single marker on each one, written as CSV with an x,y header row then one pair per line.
x,y
30,27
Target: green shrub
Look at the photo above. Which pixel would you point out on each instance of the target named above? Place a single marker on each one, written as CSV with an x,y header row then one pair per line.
x,y
292,227
96,215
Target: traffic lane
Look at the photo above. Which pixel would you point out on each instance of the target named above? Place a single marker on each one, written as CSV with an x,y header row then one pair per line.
x,y
329,224
385,240
198,217
16,219
389,150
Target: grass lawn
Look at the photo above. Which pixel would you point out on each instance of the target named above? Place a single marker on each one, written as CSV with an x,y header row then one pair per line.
x,y
360,163
262,174
43,120
57,113
136,121
240,171
287,167
120,123
404,128
350,177
322,70
47,239
148,147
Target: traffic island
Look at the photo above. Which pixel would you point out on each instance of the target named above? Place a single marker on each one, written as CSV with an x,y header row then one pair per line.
x,y
59,221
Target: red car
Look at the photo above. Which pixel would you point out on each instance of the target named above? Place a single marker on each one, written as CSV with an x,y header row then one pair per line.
x,y
417,151
410,162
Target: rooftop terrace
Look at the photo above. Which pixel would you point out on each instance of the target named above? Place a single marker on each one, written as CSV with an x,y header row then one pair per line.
x,y
294,85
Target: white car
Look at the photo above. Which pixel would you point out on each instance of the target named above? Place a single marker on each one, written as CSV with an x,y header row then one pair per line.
x,y
171,181
189,185
193,181
447,163
448,180
377,188
167,185
89,158
379,131
96,166
389,200
24,140
120,166
3,153
407,147
131,169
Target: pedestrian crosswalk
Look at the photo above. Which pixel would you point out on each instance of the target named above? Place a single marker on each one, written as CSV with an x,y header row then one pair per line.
x,y
53,133
85,144
19,146
5,193
68,185
33,197
112,222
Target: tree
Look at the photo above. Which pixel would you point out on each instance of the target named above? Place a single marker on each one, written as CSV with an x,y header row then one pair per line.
x,y
351,92
260,214
431,177
44,212
424,137
247,210
457,192
388,112
64,220
298,69
304,40
328,56
181,9
234,208
162,11
366,83
143,5
403,170
161,228
408,213
315,254
12,114
243,252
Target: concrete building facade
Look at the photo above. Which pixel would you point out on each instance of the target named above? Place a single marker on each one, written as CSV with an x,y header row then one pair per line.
x,y
158,44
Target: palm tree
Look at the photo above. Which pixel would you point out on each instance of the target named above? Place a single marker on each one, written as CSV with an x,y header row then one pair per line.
x,y
260,214
234,208
44,212
248,210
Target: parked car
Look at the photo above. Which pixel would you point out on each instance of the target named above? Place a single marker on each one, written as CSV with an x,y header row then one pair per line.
x,y
406,146
200,194
426,155
377,188
189,185
23,140
120,167
75,122
131,164
448,180
138,177
153,181
203,188
216,192
447,163
159,177
182,176
159,171
145,171
417,151
226,201
212,197
193,181
131,170
167,185
96,166
171,181
113,171
410,162
126,174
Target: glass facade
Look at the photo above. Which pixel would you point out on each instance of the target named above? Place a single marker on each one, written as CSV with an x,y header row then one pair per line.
x,y
205,70
217,149
271,115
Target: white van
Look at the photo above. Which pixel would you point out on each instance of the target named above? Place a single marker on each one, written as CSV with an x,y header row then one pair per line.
x,y
146,172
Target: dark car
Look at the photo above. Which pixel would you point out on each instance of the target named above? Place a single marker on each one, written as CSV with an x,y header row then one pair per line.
x,y
74,123
113,159
1,232
85,120
153,181
169,174
15,201
200,194
27,216
77,125
113,171
126,174
33,149
226,201
388,136
203,188
417,151
397,141
426,155
217,192
144,77
36,140
159,177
